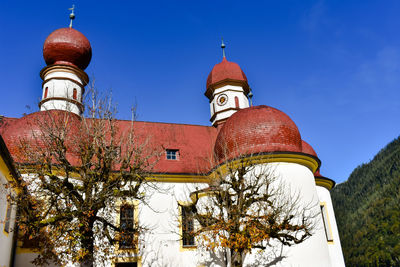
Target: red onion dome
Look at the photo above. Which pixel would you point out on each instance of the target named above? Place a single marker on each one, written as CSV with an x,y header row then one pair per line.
x,y
323,181
307,149
27,130
254,130
318,174
226,71
67,46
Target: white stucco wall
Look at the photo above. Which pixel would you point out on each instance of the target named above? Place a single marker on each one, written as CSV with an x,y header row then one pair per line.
x,y
231,92
163,242
61,84
6,239
335,248
161,245
314,251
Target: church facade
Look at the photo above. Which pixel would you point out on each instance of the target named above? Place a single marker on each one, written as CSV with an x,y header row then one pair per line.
x,y
237,129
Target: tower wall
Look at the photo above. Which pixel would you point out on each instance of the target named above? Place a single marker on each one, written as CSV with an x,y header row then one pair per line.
x,y
298,179
334,246
63,88
235,100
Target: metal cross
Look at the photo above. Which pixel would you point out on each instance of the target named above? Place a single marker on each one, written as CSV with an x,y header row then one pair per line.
x,y
72,15
223,48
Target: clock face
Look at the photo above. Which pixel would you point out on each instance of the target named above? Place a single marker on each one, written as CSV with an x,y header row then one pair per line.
x,y
222,99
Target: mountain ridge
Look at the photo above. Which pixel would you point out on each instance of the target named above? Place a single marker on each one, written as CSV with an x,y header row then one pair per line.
x,y
367,208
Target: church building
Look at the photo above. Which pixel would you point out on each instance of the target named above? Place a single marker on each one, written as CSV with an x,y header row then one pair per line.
x,y
190,155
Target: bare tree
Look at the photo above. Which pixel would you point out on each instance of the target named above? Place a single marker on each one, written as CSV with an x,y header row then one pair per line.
x,y
248,208
75,170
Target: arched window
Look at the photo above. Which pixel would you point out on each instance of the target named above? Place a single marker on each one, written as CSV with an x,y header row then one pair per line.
x,y
46,91
237,102
74,94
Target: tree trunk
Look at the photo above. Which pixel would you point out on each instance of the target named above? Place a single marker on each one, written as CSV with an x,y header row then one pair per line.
x,y
87,244
237,258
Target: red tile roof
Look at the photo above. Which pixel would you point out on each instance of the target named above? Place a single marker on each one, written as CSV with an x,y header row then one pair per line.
x,y
195,143
259,129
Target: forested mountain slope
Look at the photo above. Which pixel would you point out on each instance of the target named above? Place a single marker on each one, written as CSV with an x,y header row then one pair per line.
x,y
367,208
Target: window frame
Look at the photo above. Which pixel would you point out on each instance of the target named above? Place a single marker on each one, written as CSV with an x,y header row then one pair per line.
x,y
127,216
135,205
187,224
326,222
7,221
46,91
75,94
172,154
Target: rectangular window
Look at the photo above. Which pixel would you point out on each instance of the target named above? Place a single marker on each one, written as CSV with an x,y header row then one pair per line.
x,y
8,217
325,220
187,227
126,225
172,154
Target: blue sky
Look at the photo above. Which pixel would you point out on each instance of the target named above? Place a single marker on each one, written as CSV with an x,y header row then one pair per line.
x,y
332,66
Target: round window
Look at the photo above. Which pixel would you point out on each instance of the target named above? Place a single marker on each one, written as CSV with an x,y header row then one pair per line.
x,y
222,99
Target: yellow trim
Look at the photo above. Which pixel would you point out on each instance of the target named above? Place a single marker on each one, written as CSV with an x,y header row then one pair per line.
x,y
300,159
324,205
201,194
304,160
328,184
179,178
25,250
135,204
166,178
136,259
181,247
7,174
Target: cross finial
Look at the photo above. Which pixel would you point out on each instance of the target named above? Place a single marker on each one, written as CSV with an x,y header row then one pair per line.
x,y
223,47
250,95
72,15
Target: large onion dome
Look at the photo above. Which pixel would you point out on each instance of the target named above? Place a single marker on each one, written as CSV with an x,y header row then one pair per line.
x,y
67,46
254,130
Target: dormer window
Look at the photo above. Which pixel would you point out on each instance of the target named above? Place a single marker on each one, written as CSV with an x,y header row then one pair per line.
x,y
172,154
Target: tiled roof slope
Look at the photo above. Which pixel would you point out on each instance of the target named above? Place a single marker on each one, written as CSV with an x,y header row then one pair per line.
x,y
258,129
195,143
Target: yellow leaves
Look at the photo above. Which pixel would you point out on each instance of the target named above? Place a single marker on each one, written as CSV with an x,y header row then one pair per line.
x,y
89,213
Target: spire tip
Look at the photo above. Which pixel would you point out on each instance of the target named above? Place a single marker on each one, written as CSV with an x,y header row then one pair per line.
x,y
72,15
223,48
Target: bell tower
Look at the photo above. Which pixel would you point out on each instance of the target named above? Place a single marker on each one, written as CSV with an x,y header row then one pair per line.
x,y
67,53
227,90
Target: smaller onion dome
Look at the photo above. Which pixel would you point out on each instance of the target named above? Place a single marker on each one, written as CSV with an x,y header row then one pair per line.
x,y
254,130
67,46
318,174
307,149
323,181
226,71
